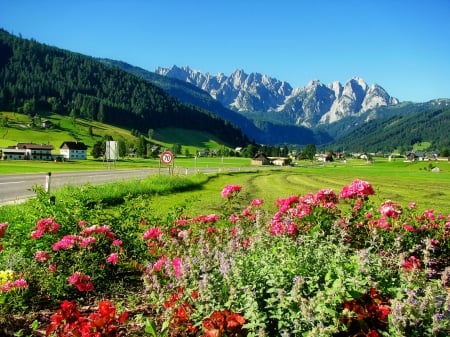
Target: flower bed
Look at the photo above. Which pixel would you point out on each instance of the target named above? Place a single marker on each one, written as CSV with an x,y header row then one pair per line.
x,y
322,264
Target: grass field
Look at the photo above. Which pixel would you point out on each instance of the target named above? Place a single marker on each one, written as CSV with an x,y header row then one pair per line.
x,y
397,181
18,130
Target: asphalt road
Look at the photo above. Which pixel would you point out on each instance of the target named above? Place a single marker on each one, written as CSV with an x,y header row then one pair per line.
x,y
15,188
18,187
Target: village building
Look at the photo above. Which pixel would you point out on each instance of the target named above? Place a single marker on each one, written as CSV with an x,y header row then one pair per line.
x,y
28,151
73,150
282,161
260,159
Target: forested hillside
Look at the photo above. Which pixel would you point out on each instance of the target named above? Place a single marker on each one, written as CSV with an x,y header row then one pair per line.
x,y
35,77
401,132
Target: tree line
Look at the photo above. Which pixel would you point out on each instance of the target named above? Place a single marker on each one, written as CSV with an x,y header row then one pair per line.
x,y
35,77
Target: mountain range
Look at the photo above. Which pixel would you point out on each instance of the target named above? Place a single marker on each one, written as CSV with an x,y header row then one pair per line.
x,y
311,106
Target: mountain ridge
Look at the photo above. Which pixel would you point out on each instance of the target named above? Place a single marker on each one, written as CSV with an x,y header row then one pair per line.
x,y
309,106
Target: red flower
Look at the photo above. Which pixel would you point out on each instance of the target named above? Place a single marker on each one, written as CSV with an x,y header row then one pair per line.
x,y
3,227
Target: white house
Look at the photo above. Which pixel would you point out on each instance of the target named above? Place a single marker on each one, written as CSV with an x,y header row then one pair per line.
x,y
73,150
28,151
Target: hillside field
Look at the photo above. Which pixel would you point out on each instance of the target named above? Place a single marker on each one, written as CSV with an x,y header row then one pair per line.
x,y
16,128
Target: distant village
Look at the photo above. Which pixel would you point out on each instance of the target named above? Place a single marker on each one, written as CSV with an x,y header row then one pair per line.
x,y
30,151
74,150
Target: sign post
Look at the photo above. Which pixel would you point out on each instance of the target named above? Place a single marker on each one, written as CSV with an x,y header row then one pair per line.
x,y
166,158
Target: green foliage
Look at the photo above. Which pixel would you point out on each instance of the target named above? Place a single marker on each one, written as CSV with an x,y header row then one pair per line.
x,y
318,266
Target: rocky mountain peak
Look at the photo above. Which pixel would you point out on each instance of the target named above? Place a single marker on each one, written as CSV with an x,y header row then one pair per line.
x,y
314,104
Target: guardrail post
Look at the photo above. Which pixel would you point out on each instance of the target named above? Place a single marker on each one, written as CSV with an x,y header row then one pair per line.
x,y
47,182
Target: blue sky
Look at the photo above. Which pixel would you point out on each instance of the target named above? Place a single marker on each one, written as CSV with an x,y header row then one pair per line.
x,y
402,45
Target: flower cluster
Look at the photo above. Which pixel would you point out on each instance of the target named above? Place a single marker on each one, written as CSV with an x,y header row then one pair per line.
x,y
8,281
68,321
81,281
367,315
3,227
223,323
357,189
300,213
88,237
43,226
181,311
230,190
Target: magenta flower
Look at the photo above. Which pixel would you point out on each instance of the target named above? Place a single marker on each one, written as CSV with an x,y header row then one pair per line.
x,y
113,258
257,202
67,242
234,218
357,189
411,263
176,264
152,233
12,285
117,242
21,283
45,226
42,256
229,190
390,209
3,227
81,281
160,263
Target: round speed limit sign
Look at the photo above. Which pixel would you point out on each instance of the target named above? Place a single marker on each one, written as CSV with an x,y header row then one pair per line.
x,y
166,157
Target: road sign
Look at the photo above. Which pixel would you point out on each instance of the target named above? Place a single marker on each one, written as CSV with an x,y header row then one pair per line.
x,y
166,157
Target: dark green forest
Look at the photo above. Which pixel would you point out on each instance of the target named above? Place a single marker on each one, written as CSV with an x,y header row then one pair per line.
x,y
401,132
35,77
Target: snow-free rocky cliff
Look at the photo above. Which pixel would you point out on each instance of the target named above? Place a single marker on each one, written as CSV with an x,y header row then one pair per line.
x,y
310,106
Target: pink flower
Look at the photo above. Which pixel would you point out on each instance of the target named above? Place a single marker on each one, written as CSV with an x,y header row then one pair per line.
x,y
176,264
84,242
152,233
67,242
3,227
113,258
390,209
411,263
429,214
45,226
257,202
117,242
16,284
52,268
81,281
82,223
326,196
160,263
412,205
42,256
204,218
20,283
234,218
7,286
229,190
358,188
409,228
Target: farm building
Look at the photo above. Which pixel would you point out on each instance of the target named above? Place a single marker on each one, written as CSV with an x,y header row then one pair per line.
x,y
28,151
73,150
260,159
